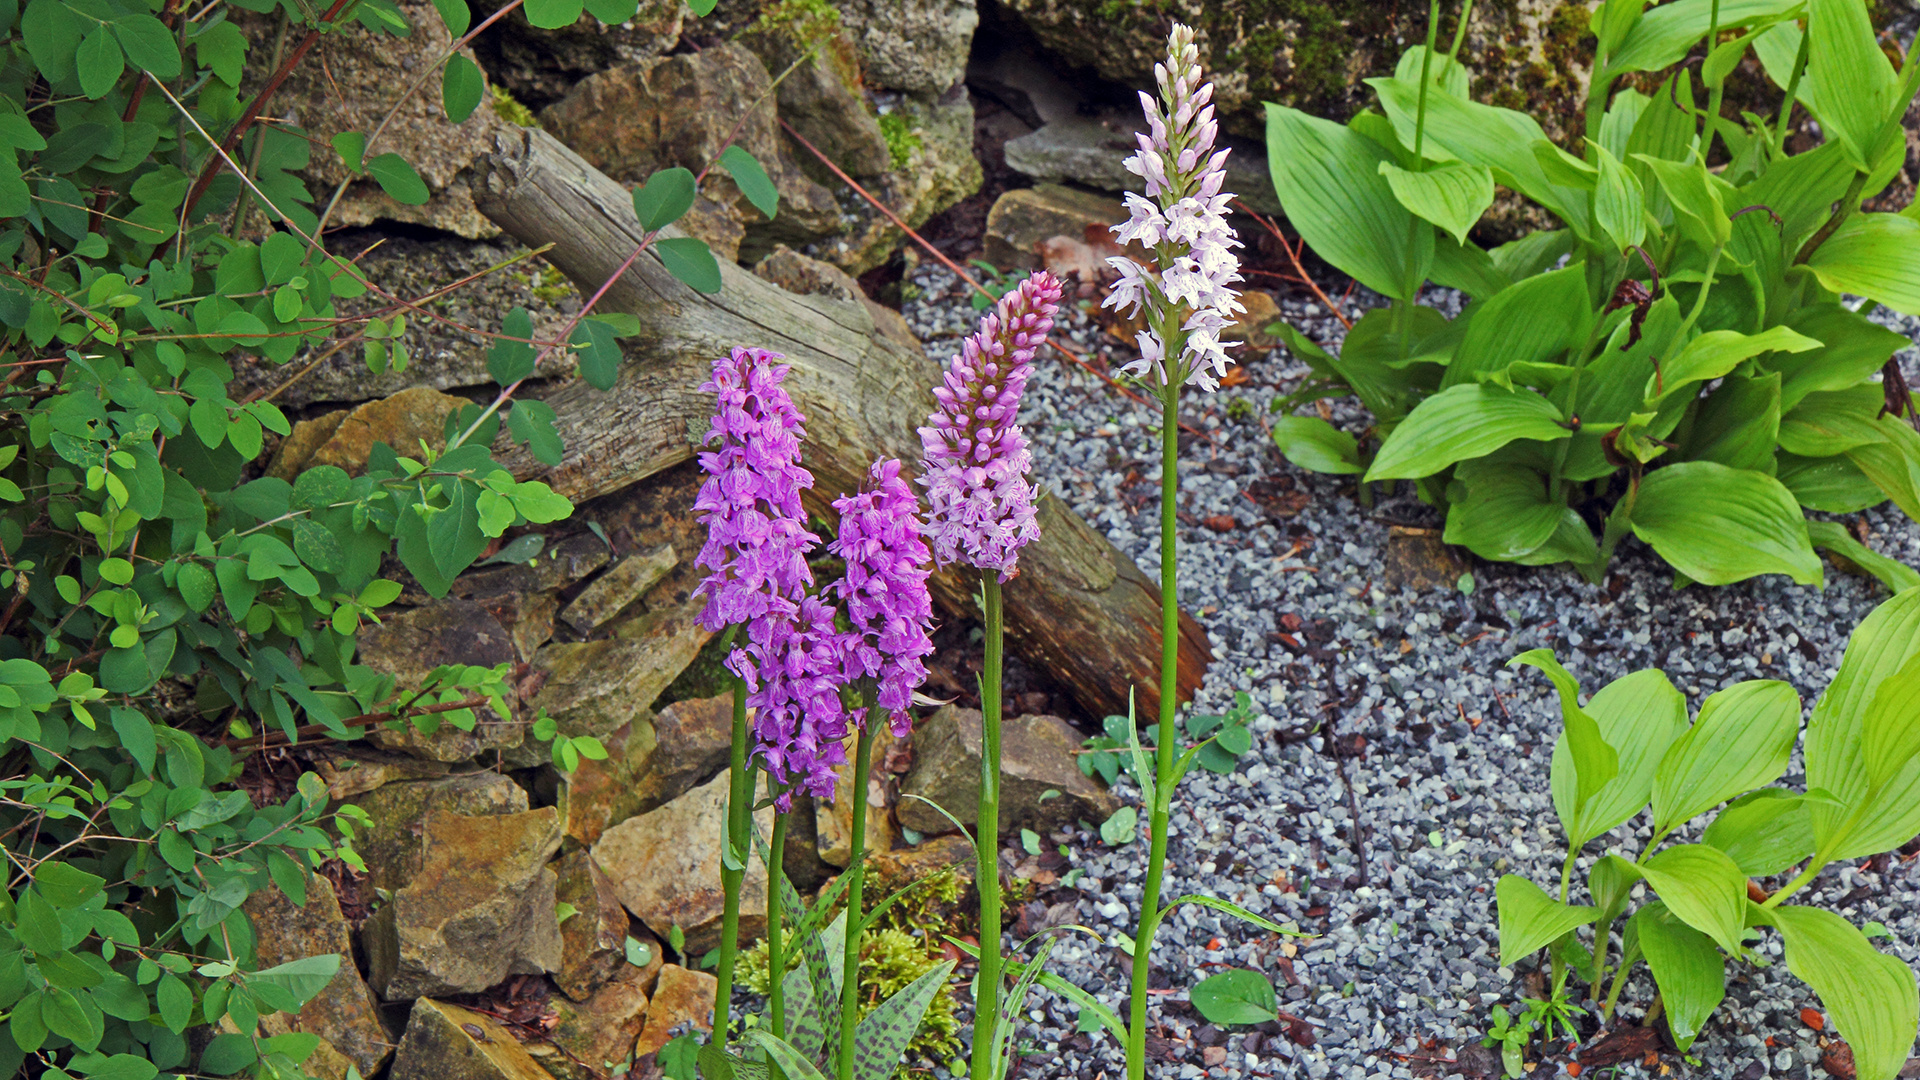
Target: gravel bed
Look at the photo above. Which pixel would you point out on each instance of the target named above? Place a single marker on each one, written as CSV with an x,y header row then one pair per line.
x,y
1444,750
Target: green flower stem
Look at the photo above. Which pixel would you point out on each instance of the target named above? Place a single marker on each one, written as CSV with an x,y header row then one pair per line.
x,y
739,819
1799,882
1714,95
776,954
986,996
1163,746
857,871
1793,93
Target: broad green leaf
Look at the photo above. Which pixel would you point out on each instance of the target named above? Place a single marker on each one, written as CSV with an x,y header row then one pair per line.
x,y
1614,20
65,885
456,15
1687,967
1764,832
1502,140
1737,424
531,422
1590,762
751,178
148,44
228,1054
1537,319
880,1041
1876,256
1717,352
554,14
1450,196
511,360
1530,920
73,1017
1639,715
1870,996
1849,75
1314,444
664,198
1695,198
1742,740
1892,463
352,148
1855,348
398,179
1328,179
461,88
1833,422
1664,35
1833,537
99,62
1890,730
1611,882
785,1056
1703,887
1235,996
291,985
1719,525
597,352
1464,422
1508,510
1619,206
690,261
1447,74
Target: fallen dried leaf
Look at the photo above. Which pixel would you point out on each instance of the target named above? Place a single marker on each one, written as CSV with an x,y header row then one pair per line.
x,y
1220,523
1838,1060
1813,1019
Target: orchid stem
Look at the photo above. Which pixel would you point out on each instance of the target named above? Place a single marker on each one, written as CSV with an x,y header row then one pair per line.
x,y
857,871
1163,746
986,997
733,848
776,952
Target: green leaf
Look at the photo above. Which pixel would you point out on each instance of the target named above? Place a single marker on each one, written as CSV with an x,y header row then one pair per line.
x,y
1764,832
1695,198
785,1056
99,62
554,14
752,180
1717,352
1118,830
1450,196
510,361
1639,715
73,1018
597,352
136,736
352,148
461,88
666,196
1590,763
1687,968
148,44
1890,731
1704,888
1663,36
1508,510
691,261
1719,525
1849,75
1530,919
1831,536
1235,996
456,15
398,179
65,885
1314,444
37,924
880,1041
291,985
1618,202
1328,178
1233,909
1870,996
228,1054
1464,422
531,422
1876,256
1742,740
118,1067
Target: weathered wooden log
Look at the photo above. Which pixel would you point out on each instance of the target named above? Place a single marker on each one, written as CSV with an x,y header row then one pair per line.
x,y
1079,609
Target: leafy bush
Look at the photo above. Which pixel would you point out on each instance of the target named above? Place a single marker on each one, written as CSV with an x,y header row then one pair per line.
x,y
1631,749
168,610
1690,375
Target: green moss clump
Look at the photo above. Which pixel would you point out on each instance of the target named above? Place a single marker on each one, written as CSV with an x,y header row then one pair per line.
x,y
506,108
902,141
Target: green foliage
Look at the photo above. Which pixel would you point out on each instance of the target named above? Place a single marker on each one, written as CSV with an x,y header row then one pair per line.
x,y
1223,740
170,610
902,140
1691,376
1235,996
1862,755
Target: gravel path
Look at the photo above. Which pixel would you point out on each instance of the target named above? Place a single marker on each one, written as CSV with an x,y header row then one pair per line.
x,y
1444,750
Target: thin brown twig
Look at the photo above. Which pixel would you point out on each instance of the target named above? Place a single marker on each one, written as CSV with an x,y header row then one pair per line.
x,y
1293,256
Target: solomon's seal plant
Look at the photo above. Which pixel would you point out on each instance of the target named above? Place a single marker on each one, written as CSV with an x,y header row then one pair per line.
x,y
1681,360
1629,750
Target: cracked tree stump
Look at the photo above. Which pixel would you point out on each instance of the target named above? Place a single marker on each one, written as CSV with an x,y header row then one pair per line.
x,y
1080,609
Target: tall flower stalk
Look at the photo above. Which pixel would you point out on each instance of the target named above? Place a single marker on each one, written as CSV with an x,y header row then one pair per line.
x,y
755,554
1189,299
888,611
981,513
